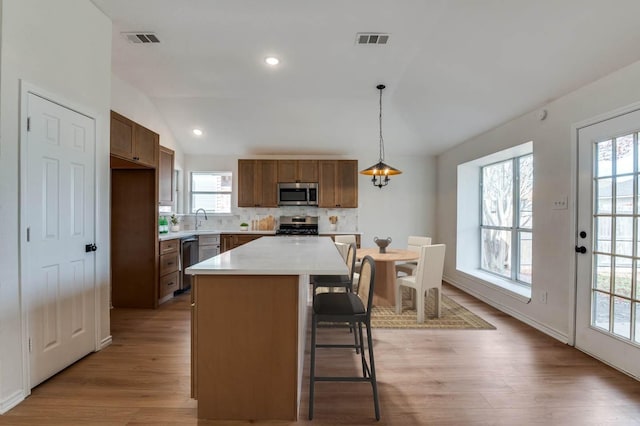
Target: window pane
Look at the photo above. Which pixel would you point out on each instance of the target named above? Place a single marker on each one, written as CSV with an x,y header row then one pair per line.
x,y
211,181
524,243
603,272
604,151
497,194
601,310
604,195
624,235
496,251
624,194
624,154
637,336
603,234
526,191
622,284
212,203
622,317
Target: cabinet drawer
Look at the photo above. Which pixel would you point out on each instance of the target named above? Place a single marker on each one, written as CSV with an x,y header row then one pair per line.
x,y
168,284
169,246
168,263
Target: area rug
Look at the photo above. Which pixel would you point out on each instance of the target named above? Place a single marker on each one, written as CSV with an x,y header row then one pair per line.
x,y
453,316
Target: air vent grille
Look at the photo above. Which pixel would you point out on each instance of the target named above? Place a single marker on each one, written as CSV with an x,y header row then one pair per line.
x,y
141,37
372,38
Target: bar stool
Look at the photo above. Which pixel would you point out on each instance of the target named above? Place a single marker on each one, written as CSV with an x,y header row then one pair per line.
x,y
347,308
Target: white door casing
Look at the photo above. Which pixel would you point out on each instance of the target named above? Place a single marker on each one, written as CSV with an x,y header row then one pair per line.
x,y
59,274
608,227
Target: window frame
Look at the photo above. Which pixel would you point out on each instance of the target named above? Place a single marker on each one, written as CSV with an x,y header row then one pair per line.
x,y
193,208
515,229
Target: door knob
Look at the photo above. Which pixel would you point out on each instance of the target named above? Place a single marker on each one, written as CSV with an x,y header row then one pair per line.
x,y
583,234
581,249
90,247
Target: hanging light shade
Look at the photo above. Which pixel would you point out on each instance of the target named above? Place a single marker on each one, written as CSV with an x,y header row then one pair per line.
x,y
380,171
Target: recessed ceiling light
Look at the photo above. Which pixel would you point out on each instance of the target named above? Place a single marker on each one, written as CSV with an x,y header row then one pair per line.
x,y
272,60
197,132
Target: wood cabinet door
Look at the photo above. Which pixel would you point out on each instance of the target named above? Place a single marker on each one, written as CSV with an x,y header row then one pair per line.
x,y
327,183
347,184
267,187
307,170
121,136
246,183
287,170
165,177
146,145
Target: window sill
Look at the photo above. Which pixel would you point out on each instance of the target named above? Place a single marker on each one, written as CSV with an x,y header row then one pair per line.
x,y
503,285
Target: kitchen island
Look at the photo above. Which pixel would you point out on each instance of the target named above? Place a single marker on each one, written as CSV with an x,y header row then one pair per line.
x,y
249,326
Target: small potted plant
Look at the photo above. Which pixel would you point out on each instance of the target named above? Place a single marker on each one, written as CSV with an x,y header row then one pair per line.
x,y
244,226
334,222
174,223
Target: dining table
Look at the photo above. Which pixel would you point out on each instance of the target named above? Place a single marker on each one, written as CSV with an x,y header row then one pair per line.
x,y
385,279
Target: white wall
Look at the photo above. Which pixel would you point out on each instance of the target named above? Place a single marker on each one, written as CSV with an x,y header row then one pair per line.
x,y
553,232
135,105
63,47
405,207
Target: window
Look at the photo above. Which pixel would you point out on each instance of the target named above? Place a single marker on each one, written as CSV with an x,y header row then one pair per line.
x,y
211,191
507,212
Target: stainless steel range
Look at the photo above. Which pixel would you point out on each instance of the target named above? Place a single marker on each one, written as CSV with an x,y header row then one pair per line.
x,y
298,225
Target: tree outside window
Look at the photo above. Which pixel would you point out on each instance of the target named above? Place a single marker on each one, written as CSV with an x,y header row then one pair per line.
x,y
507,212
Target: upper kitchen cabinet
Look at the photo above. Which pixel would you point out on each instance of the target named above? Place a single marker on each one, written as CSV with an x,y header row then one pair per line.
x,y
133,142
165,177
297,171
338,183
257,181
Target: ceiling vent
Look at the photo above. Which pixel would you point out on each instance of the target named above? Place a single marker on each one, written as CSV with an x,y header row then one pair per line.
x,y
372,38
141,37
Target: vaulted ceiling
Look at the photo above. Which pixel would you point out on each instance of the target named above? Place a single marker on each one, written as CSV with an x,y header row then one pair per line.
x,y
453,68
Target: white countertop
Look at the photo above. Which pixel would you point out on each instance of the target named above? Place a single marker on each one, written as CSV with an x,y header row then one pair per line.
x,y
276,256
181,234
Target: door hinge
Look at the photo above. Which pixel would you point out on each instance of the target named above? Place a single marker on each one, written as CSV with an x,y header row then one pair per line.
x,y
28,234
30,347
28,124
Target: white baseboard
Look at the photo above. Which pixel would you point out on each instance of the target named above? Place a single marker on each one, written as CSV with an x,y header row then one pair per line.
x,y
11,401
562,337
105,342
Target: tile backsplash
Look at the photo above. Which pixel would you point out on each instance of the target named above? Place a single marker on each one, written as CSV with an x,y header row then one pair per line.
x,y
347,218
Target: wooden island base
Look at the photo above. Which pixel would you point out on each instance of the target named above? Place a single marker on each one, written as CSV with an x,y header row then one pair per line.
x,y
246,355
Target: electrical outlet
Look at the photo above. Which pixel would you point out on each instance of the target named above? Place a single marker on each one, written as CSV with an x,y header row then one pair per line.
x,y
543,297
561,203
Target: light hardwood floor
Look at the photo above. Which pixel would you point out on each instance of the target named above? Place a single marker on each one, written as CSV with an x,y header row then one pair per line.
x,y
514,375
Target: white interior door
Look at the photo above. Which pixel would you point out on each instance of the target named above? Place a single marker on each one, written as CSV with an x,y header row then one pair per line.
x,y
60,207
607,295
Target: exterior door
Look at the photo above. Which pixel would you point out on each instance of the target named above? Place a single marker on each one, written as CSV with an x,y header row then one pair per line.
x,y
59,197
608,242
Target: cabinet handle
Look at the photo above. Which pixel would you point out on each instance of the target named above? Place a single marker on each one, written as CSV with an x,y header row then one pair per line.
x,y
169,263
170,284
136,158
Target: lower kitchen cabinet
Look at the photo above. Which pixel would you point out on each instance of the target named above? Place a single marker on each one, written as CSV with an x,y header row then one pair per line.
x,y
231,241
168,268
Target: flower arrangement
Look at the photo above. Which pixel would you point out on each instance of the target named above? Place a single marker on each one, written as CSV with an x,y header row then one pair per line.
x,y
333,219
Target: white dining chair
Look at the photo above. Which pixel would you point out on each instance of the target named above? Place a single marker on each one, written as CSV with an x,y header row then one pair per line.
x,y
347,239
414,243
428,275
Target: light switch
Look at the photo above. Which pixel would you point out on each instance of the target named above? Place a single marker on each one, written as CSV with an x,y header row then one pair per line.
x,y
560,203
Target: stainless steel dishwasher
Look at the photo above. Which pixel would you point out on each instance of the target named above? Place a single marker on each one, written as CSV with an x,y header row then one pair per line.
x,y
188,256
209,246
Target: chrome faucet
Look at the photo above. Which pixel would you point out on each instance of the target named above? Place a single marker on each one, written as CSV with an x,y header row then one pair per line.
x,y
205,217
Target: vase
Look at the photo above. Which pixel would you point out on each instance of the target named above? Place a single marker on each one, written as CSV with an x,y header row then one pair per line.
x,y
382,243
333,227
175,228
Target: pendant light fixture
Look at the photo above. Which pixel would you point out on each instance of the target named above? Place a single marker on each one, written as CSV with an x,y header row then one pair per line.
x,y
380,171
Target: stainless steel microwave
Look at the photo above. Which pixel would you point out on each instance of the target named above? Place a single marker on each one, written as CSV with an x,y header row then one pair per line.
x,y
297,194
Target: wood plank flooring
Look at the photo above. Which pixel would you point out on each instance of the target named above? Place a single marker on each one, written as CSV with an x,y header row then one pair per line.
x,y
514,375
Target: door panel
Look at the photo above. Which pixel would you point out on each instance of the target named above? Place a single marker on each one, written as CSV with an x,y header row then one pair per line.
x,y
60,202
607,296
